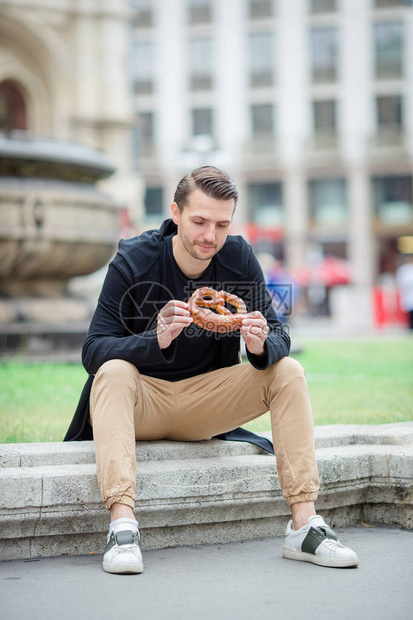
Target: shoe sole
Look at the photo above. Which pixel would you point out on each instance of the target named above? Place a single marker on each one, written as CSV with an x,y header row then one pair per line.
x,y
292,554
125,569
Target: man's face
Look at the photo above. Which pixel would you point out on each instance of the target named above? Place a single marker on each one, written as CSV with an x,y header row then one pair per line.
x,y
203,224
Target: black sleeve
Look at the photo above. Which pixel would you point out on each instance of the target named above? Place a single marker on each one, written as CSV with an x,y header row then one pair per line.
x,y
277,343
106,338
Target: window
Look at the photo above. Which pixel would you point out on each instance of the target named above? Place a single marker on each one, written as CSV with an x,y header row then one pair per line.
x,y
323,6
262,120
389,113
154,202
388,41
324,54
260,8
328,201
200,64
145,126
266,208
143,136
143,15
393,199
381,4
142,67
324,117
199,11
261,59
12,107
202,122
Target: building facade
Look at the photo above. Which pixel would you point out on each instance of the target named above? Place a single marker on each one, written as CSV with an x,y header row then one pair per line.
x,y
308,104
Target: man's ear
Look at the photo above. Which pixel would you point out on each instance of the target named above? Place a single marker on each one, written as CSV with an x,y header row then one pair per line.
x,y
175,213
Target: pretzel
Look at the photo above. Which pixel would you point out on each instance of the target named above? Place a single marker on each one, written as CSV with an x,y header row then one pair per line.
x,y
204,300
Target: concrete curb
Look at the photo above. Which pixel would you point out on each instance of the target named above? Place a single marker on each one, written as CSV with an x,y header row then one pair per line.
x,y
198,492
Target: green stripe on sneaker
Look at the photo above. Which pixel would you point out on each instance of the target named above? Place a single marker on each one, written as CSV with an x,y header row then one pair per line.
x,y
328,532
111,543
124,537
312,541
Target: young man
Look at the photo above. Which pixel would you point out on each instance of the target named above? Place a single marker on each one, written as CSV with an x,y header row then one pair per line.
x,y
155,375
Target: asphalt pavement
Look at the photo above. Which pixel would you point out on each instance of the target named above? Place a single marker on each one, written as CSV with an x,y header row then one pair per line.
x,y
233,581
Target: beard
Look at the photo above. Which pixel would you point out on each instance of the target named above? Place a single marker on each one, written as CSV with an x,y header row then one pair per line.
x,y
192,249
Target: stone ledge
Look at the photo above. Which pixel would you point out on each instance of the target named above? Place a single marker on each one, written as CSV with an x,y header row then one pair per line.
x,y
198,492
76,453
83,452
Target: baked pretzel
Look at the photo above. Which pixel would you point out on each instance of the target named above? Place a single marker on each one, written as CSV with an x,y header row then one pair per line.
x,y
204,300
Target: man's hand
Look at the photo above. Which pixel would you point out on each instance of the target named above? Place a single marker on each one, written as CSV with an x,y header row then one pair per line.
x,y
171,320
254,331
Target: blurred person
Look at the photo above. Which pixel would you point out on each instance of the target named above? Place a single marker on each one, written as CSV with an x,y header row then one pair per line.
x,y
404,281
166,378
317,294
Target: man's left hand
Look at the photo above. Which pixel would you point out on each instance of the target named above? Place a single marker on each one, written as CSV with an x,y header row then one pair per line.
x,y
254,331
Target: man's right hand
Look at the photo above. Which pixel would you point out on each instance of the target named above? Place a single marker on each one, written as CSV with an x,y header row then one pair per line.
x,y
172,319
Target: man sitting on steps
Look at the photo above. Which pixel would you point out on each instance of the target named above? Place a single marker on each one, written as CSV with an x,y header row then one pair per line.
x,y
156,375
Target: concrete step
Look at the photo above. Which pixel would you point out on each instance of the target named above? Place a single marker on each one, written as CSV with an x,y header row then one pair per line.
x,y
198,492
82,452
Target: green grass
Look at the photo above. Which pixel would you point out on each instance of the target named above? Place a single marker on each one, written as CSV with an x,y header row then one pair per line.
x,y
351,382
37,401
356,382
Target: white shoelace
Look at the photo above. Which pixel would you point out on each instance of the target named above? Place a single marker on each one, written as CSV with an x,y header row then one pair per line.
x,y
332,544
126,548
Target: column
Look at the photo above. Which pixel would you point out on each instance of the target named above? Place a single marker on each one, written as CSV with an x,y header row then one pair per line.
x,y
295,197
361,247
116,103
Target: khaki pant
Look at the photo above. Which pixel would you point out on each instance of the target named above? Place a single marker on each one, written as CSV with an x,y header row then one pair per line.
x,y
126,406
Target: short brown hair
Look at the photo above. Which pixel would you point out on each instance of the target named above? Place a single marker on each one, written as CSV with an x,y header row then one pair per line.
x,y
212,181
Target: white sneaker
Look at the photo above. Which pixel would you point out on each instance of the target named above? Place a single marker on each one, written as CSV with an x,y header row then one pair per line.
x,y
317,543
122,553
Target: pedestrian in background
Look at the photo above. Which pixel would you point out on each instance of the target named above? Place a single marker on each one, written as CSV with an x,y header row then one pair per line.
x,y
404,280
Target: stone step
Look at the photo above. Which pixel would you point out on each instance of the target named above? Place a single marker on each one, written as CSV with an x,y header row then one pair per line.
x,y
58,453
75,485
82,452
198,492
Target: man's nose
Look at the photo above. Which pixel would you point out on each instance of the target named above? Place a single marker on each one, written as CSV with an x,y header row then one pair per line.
x,y
210,235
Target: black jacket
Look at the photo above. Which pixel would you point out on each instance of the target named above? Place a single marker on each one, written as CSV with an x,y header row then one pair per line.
x,y
124,323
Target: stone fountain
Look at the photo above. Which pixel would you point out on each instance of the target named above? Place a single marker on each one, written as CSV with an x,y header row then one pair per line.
x,y
55,223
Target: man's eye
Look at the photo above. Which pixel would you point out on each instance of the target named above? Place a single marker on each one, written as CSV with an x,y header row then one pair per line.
x,y
199,223
223,225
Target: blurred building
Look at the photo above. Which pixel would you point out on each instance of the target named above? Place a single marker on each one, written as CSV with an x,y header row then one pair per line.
x,y
308,104
63,75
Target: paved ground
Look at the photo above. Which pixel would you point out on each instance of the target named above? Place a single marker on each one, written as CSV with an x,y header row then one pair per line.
x,y
236,581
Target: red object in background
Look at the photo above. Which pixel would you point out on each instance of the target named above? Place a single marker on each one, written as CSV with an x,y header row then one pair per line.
x,y
255,232
126,227
387,309
330,271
